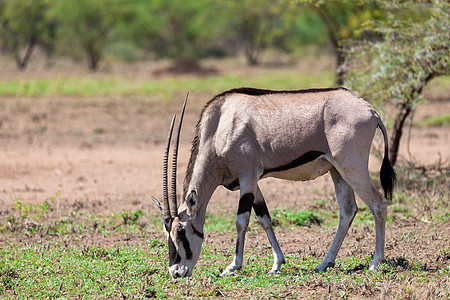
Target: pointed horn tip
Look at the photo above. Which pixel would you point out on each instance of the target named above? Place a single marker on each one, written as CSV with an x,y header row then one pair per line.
x,y
173,198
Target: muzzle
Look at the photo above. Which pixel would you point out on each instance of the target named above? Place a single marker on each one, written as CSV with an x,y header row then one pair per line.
x,y
179,271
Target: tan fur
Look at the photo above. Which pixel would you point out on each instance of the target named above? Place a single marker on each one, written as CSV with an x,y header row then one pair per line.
x,y
243,133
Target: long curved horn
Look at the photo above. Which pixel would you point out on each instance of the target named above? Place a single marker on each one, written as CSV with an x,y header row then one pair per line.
x,y
165,167
173,199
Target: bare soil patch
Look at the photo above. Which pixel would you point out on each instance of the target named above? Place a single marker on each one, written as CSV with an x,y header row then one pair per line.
x,y
109,151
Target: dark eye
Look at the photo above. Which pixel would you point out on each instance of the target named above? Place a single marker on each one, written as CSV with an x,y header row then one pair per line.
x,y
181,231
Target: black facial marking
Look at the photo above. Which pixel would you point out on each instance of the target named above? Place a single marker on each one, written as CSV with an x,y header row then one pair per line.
x,y
198,233
174,257
185,242
304,159
245,203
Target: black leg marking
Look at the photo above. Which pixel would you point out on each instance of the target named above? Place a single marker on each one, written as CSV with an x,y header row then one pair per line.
x,y
245,203
260,209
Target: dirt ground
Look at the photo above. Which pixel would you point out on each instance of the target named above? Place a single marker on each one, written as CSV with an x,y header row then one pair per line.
x,y
107,153
104,155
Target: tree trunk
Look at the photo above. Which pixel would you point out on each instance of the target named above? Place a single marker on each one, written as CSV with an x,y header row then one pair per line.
x,y
340,68
22,63
251,54
333,27
406,109
93,58
397,131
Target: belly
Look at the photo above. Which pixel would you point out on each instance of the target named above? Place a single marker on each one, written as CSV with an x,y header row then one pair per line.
x,y
305,172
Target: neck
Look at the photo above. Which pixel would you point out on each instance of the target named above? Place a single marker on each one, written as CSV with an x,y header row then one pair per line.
x,y
204,178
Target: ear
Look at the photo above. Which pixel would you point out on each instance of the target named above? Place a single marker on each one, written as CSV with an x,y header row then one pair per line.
x,y
192,204
158,204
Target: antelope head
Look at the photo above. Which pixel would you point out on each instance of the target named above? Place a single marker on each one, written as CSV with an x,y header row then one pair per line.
x,y
183,238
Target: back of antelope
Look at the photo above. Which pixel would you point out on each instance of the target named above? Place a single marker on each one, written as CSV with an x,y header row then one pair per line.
x,y
244,135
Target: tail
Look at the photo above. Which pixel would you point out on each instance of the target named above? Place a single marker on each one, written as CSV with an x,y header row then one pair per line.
x,y
387,172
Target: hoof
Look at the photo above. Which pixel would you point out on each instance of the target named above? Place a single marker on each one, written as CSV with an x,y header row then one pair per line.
x,y
323,269
229,272
273,272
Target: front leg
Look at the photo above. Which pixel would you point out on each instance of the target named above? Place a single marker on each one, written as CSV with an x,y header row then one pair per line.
x,y
264,219
242,219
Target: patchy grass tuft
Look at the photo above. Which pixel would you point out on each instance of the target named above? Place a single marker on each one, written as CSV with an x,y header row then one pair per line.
x,y
298,218
437,121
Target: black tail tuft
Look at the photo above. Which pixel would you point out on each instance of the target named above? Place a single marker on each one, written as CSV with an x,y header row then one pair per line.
x,y
387,177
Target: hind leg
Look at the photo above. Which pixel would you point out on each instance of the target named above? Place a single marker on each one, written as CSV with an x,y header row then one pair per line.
x,y
369,194
347,211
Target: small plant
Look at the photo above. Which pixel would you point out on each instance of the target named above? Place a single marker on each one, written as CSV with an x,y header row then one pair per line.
x,y
34,211
297,218
131,217
154,243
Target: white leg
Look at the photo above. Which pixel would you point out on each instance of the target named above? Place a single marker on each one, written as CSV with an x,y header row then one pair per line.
x,y
262,213
347,211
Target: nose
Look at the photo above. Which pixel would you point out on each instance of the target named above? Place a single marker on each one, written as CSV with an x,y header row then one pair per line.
x,y
178,271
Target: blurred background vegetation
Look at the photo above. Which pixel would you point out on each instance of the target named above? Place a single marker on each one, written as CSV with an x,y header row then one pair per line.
x,y
91,30
386,51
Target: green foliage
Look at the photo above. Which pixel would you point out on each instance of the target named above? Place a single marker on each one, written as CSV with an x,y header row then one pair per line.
x,y
343,20
85,27
346,18
413,50
260,24
130,30
172,28
23,25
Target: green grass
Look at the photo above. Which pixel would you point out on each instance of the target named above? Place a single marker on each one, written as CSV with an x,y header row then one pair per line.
x,y
164,87
57,270
57,263
63,269
437,121
289,217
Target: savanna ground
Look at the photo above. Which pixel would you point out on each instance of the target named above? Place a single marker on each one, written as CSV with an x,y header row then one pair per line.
x,y
81,155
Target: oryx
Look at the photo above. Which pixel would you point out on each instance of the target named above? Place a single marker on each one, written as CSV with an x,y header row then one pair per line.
x,y
247,134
